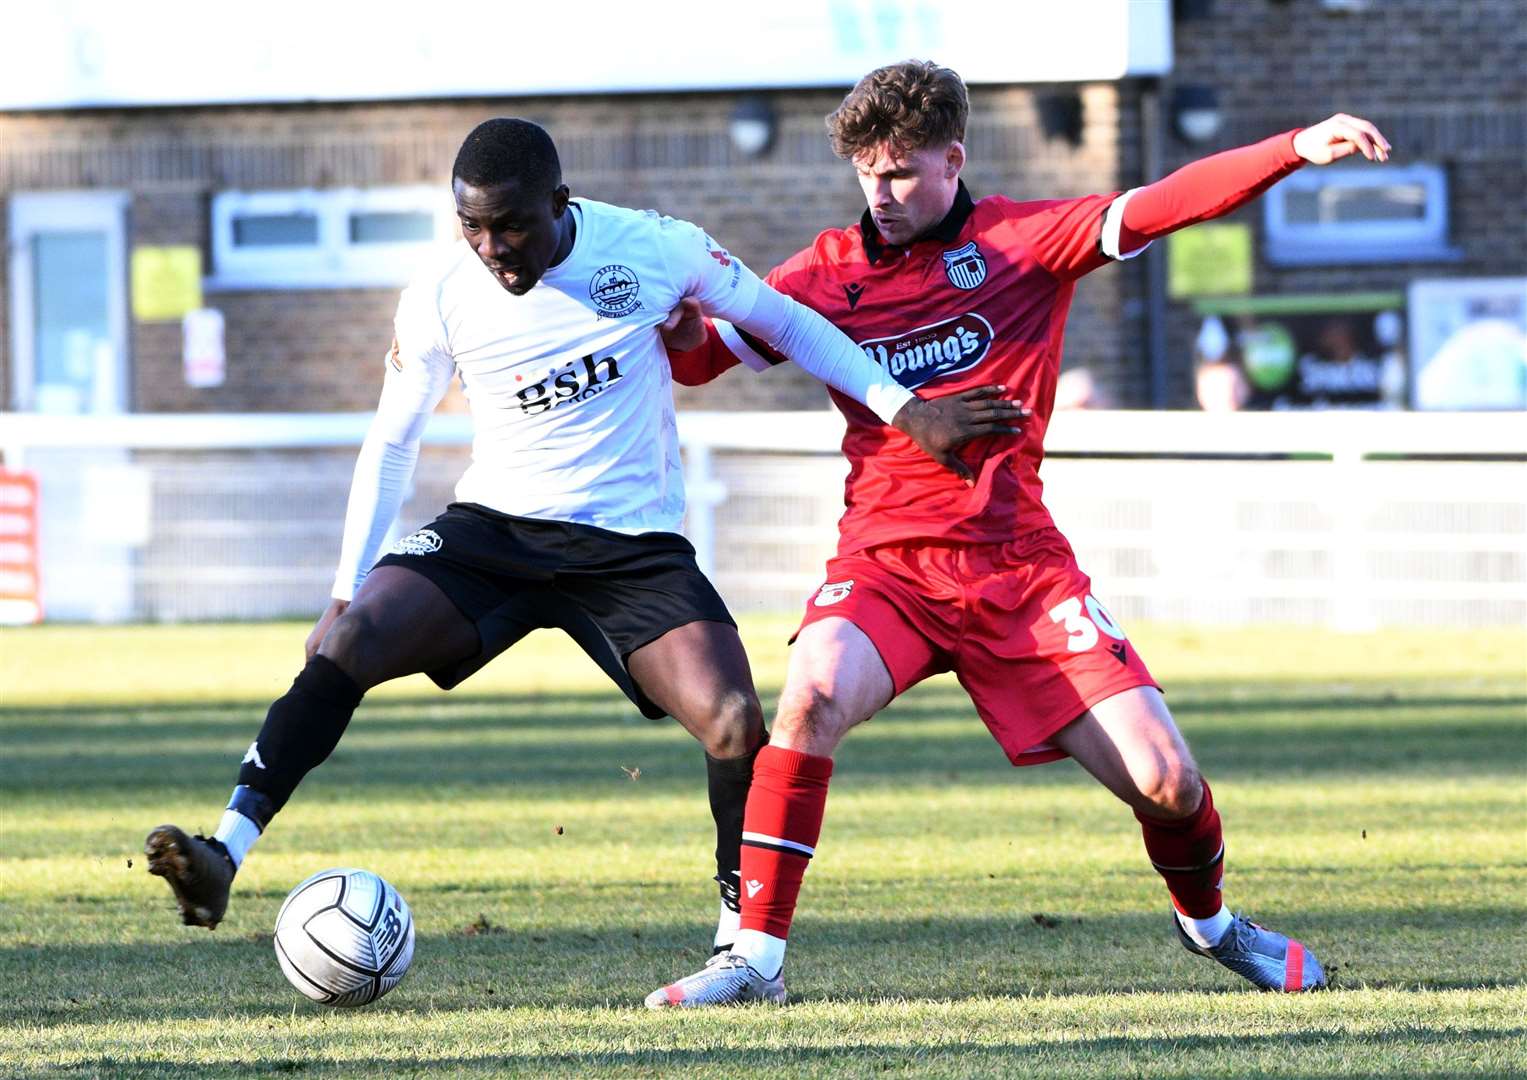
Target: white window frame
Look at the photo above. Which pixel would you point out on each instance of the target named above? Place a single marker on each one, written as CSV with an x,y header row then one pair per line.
x,y
1303,244
334,262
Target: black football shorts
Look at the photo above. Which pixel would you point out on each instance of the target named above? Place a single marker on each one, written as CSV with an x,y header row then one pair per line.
x,y
610,592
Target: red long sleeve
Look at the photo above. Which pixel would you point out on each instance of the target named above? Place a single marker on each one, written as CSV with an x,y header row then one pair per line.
x,y
700,365
1206,189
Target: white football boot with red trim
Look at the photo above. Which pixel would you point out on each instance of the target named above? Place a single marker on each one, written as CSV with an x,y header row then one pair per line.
x,y
1265,957
725,979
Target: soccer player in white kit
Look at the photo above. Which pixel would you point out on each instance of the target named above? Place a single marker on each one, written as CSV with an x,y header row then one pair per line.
x,y
549,311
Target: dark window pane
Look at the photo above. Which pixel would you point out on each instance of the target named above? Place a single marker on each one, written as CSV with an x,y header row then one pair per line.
x,y
1344,205
275,230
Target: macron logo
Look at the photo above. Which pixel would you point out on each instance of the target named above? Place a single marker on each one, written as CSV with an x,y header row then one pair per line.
x,y
253,754
753,886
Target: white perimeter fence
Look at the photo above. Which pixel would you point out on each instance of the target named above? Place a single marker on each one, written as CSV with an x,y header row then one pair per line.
x,y
1346,519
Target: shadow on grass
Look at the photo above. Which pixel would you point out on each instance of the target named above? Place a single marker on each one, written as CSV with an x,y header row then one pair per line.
x,y
183,747
470,710
1011,955
1311,1053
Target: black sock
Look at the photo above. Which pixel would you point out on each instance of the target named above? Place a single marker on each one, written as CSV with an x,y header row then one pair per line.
x,y
729,780
300,731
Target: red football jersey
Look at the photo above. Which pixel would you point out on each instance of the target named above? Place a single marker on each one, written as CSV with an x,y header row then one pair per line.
x,y
981,299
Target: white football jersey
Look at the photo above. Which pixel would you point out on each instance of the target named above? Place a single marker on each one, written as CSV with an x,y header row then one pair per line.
x,y
569,384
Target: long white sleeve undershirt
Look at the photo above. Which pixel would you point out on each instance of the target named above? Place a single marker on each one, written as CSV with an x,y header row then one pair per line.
x,y
382,472
813,343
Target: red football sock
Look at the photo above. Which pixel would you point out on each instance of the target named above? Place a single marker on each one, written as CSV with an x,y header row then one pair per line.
x,y
779,834
1189,854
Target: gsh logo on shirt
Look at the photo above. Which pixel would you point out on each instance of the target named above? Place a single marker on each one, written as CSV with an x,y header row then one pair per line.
x,y
933,351
578,381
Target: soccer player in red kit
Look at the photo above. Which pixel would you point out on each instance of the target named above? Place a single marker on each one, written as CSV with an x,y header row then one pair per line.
x,y
963,570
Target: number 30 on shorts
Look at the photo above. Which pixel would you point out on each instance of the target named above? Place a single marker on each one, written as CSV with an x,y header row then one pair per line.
x,y
1083,626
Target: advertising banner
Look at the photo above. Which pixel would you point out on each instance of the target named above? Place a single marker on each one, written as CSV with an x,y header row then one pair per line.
x,y
1309,352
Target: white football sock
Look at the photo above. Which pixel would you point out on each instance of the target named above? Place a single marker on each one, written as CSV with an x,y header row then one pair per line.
x,y
238,834
727,926
1206,932
765,952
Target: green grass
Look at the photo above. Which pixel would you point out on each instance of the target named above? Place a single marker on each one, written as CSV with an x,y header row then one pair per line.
x,y
963,919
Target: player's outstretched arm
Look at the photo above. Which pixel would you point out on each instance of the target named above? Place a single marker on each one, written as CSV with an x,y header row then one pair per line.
x,y
1215,185
939,426
788,329
944,424
1341,136
696,353
414,386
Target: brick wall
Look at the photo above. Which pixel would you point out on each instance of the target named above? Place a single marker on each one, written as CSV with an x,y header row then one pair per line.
x,y
1444,78
319,349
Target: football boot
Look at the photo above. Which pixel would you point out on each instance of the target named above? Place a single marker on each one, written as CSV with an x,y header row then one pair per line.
x,y
1265,957
725,979
198,869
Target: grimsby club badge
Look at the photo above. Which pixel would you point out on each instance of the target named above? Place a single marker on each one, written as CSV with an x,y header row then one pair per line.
x,y
965,266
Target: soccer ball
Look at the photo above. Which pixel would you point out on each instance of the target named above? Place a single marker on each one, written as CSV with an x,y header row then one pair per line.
x,y
344,937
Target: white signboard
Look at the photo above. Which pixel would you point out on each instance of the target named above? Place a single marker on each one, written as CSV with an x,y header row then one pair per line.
x,y
204,357
82,53
1468,343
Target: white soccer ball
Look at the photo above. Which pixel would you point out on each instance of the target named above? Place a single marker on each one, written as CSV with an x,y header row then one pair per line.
x,y
344,937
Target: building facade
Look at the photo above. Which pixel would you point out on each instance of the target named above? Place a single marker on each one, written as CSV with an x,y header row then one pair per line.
x,y
1444,80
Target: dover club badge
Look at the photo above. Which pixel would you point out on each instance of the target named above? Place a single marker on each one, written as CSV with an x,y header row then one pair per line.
x,y
614,290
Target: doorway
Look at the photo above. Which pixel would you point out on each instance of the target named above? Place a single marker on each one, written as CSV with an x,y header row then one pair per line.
x,y
68,312
69,361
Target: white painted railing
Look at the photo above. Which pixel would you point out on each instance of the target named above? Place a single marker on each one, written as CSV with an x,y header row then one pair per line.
x,y
1350,519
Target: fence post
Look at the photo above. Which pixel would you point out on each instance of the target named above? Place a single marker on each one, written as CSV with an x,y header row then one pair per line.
x,y
703,493
1351,610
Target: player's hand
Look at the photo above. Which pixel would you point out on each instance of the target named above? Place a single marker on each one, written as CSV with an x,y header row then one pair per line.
x,y
1339,137
942,425
335,609
684,329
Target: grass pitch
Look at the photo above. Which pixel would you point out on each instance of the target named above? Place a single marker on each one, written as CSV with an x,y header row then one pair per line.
x,y
964,918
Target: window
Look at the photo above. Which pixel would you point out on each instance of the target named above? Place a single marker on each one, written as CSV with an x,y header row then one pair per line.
x,y
275,230
1359,214
341,238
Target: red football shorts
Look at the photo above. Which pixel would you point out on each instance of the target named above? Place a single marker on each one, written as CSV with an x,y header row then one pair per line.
x,y
1017,623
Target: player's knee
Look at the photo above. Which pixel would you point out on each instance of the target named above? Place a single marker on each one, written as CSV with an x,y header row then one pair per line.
x,y
736,719
351,643
1174,790
811,715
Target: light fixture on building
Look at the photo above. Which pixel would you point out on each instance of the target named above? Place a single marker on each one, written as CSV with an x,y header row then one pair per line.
x,y
1196,115
752,125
